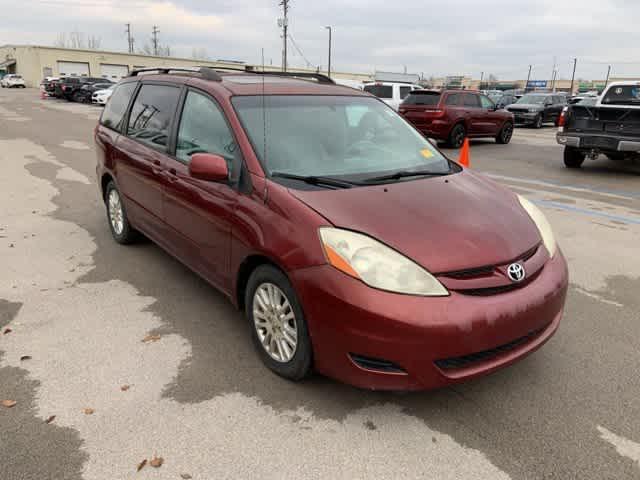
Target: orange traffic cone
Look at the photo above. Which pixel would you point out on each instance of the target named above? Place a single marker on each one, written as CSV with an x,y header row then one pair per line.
x,y
464,154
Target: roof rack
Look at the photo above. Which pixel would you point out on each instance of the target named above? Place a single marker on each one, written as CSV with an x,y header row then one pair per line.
x,y
211,73
207,72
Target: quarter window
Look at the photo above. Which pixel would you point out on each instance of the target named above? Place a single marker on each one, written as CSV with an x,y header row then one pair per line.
x,y
404,91
453,99
486,103
117,106
151,115
203,129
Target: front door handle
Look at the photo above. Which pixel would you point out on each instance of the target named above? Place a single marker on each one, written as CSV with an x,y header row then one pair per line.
x,y
172,175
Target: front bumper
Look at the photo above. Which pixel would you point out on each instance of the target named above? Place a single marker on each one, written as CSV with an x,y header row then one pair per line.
x,y
524,118
347,317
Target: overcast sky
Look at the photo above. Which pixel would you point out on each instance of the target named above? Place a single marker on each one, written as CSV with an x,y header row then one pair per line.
x,y
455,37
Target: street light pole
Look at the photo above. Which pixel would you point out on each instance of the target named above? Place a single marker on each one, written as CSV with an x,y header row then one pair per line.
x,y
526,85
481,78
329,67
606,82
573,76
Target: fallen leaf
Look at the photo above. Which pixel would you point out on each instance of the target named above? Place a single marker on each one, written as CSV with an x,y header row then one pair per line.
x,y
185,476
25,357
141,465
9,403
11,245
7,330
50,419
156,462
124,388
88,411
151,338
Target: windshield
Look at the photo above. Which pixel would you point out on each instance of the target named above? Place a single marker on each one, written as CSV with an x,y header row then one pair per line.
x,y
531,99
622,95
350,137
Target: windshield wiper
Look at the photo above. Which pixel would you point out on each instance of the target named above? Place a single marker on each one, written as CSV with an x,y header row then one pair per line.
x,y
315,180
406,173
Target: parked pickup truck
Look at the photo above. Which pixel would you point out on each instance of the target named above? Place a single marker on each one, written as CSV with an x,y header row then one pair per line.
x,y
610,127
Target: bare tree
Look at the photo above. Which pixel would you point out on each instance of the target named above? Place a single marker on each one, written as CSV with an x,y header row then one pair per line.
x,y
94,43
77,39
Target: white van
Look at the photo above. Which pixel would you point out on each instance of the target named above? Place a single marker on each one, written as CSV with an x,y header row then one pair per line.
x,y
392,93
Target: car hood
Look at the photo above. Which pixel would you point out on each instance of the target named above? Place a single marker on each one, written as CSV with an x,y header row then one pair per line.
x,y
446,224
526,106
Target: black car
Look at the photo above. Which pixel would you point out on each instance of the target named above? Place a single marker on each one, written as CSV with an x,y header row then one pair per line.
x,y
70,87
86,91
535,109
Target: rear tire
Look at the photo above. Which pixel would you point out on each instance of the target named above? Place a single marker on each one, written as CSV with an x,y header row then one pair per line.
x,y
505,134
456,136
294,365
77,97
121,229
573,158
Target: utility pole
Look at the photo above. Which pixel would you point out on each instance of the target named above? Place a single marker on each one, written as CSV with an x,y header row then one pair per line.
x,y
154,39
129,39
481,78
329,68
606,82
526,85
573,75
284,23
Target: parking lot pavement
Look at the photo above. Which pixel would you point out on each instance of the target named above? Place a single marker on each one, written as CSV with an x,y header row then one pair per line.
x,y
79,306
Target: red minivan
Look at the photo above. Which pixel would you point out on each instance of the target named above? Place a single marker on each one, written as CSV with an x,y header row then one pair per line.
x,y
354,247
453,115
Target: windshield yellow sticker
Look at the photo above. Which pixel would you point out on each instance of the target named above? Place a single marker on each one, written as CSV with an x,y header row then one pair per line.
x,y
426,153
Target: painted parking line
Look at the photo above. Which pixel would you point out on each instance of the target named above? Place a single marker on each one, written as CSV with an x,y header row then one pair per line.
x,y
574,188
586,211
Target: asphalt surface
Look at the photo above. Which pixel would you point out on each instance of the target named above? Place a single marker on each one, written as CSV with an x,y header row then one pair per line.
x,y
79,306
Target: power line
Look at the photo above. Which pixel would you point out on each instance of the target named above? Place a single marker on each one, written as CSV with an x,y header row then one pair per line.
x,y
293,42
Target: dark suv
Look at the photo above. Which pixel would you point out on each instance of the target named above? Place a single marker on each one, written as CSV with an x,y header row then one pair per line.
x,y
70,87
453,115
535,109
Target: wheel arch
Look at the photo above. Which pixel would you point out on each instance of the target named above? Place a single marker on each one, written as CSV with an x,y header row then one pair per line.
x,y
246,268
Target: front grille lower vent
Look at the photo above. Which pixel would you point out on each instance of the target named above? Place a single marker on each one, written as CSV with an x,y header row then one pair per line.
x,y
376,364
465,361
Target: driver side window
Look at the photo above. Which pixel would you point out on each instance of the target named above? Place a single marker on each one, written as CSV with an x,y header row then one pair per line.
x,y
203,129
486,102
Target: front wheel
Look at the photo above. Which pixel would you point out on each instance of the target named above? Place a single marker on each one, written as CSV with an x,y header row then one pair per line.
x,y
504,137
457,136
573,158
279,329
537,123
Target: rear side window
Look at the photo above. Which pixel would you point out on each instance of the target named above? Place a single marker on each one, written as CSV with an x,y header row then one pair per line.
x,y
422,98
453,99
380,91
151,115
622,95
117,106
404,91
471,100
486,103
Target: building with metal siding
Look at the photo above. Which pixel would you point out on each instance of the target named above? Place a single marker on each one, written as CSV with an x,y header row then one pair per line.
x,y
36,62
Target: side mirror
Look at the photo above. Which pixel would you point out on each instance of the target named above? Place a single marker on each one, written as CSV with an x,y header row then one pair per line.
x,y
209,167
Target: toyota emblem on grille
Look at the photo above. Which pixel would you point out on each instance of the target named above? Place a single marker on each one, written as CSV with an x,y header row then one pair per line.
x,y
516,272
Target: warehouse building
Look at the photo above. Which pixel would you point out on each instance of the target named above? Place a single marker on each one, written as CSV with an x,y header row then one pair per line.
x,y
36,62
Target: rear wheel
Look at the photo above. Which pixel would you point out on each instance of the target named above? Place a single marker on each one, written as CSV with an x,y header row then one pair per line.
x,y
457,136
504,137
278,327
77,97
121,229
573,158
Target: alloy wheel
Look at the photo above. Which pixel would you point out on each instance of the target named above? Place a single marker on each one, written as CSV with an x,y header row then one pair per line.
x,y
116,215
275,322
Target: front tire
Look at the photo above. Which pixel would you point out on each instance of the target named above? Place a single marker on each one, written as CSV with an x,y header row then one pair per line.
x,y
504,137
537,123
456,136
573,158
278,327
121,229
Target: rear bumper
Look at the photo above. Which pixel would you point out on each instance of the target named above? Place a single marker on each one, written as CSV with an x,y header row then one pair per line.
x,y
610,143
434,341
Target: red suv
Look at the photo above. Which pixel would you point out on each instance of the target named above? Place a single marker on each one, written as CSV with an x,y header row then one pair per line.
x,y
453,115
354,247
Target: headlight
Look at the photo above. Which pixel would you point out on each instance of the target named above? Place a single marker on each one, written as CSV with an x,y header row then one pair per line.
x,y
377,265
542,223
532,110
